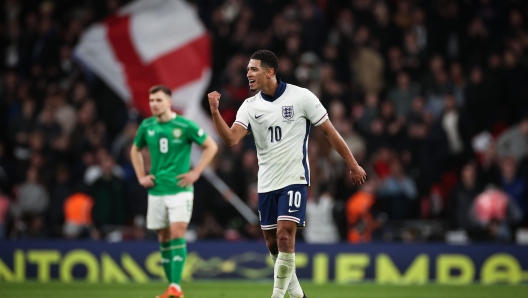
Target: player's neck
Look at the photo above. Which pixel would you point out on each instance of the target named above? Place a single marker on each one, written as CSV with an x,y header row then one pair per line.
x,y
271,88
165,117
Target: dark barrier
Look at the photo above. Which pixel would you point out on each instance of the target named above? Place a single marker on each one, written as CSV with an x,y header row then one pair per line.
x,y
383,263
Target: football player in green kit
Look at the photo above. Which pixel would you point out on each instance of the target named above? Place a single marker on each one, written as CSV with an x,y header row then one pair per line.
x,y
169,137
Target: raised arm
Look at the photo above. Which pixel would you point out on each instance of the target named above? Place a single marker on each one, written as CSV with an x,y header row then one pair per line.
x,y
230,135
357,174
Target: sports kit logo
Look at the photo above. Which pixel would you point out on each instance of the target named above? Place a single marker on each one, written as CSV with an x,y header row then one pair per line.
x,y
151,132
177,132
287,113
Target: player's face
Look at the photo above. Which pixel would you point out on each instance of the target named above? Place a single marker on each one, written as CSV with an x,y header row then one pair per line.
x,y
160,103
257,75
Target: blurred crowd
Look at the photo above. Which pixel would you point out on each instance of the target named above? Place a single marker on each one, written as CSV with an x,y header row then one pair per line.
x,y
431,96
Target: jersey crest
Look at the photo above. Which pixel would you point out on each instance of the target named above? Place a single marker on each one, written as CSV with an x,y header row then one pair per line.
x,y
177,132
287,113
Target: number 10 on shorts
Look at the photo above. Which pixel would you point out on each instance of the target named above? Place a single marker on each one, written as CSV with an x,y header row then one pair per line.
x,y
295,198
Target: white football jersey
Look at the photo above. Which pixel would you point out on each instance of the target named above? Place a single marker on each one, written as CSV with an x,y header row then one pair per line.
x,y
280,129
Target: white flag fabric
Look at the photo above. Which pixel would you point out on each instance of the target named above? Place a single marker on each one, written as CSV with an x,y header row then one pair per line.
x,y
151,42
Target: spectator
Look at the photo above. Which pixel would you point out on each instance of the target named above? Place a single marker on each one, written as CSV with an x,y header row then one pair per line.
x,y
365,114
109,210
457,131
441,87
355,142
4,207
21,128
403,17
481,98
123,141
387,33
367,63
59,192
514,141
463,195
514,186
136,194
489,172
493,213
393,125
28,209
95,171
47,126
403,93
320,226
7,171
360,220
65,114
77,215
398,193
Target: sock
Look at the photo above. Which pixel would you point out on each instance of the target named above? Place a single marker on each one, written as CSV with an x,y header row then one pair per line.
x,y
166,258
177,286
294,288
178,256
283,270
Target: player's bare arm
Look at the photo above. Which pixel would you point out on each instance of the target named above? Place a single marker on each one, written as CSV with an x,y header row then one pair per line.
x,y
230,135
357,174
145,180
209,151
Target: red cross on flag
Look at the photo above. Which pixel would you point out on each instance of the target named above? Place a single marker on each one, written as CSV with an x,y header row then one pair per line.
x,y
151,42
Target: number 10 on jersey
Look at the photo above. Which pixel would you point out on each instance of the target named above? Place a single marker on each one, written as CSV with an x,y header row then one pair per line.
x,y
295,198
275,133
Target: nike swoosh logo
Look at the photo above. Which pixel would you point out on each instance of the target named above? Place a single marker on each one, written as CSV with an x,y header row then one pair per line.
x,y
256,117
289,210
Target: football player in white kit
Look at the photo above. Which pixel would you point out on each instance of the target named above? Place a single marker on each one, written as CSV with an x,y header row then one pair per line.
x,y
279,117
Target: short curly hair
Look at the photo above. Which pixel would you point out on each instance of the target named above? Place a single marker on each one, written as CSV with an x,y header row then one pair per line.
x,y
267,58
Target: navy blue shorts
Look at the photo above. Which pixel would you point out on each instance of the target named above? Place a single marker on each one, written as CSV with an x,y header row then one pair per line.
x,y
288,203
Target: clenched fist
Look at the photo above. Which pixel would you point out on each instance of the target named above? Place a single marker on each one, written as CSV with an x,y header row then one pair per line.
x,y
214,100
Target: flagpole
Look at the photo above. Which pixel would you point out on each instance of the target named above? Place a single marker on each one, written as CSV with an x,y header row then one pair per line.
x,y
226,192
230,196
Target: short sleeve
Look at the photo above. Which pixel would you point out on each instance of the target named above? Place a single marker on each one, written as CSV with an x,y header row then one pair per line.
x,y
242,116
313,109
139,140
196,134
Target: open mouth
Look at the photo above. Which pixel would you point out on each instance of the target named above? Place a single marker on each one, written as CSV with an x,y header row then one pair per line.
x,y
251,82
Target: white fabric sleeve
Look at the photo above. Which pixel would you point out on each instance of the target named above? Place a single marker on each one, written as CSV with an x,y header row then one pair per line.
x,y
242,118
313,109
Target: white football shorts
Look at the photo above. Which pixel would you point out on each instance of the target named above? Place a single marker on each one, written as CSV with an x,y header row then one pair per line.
x,y
162,210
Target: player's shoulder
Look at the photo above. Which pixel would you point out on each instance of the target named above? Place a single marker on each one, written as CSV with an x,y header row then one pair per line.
x,y
252,99
183,122
294,87
297,90
149,121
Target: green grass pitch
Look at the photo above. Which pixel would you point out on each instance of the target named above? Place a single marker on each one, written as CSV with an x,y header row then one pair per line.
x,y
243,289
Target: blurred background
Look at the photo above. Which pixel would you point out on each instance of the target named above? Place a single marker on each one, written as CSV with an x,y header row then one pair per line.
x,y
431,96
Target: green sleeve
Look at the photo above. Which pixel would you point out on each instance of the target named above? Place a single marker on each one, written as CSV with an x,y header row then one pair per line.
x,y
196,134
139,140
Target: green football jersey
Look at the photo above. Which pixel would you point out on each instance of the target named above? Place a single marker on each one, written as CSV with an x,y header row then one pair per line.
x,y
169,144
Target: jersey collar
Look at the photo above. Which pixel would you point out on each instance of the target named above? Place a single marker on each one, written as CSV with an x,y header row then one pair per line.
x,y
278,92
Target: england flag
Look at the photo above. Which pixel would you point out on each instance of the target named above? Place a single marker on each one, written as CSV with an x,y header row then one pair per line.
x,y
150,42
